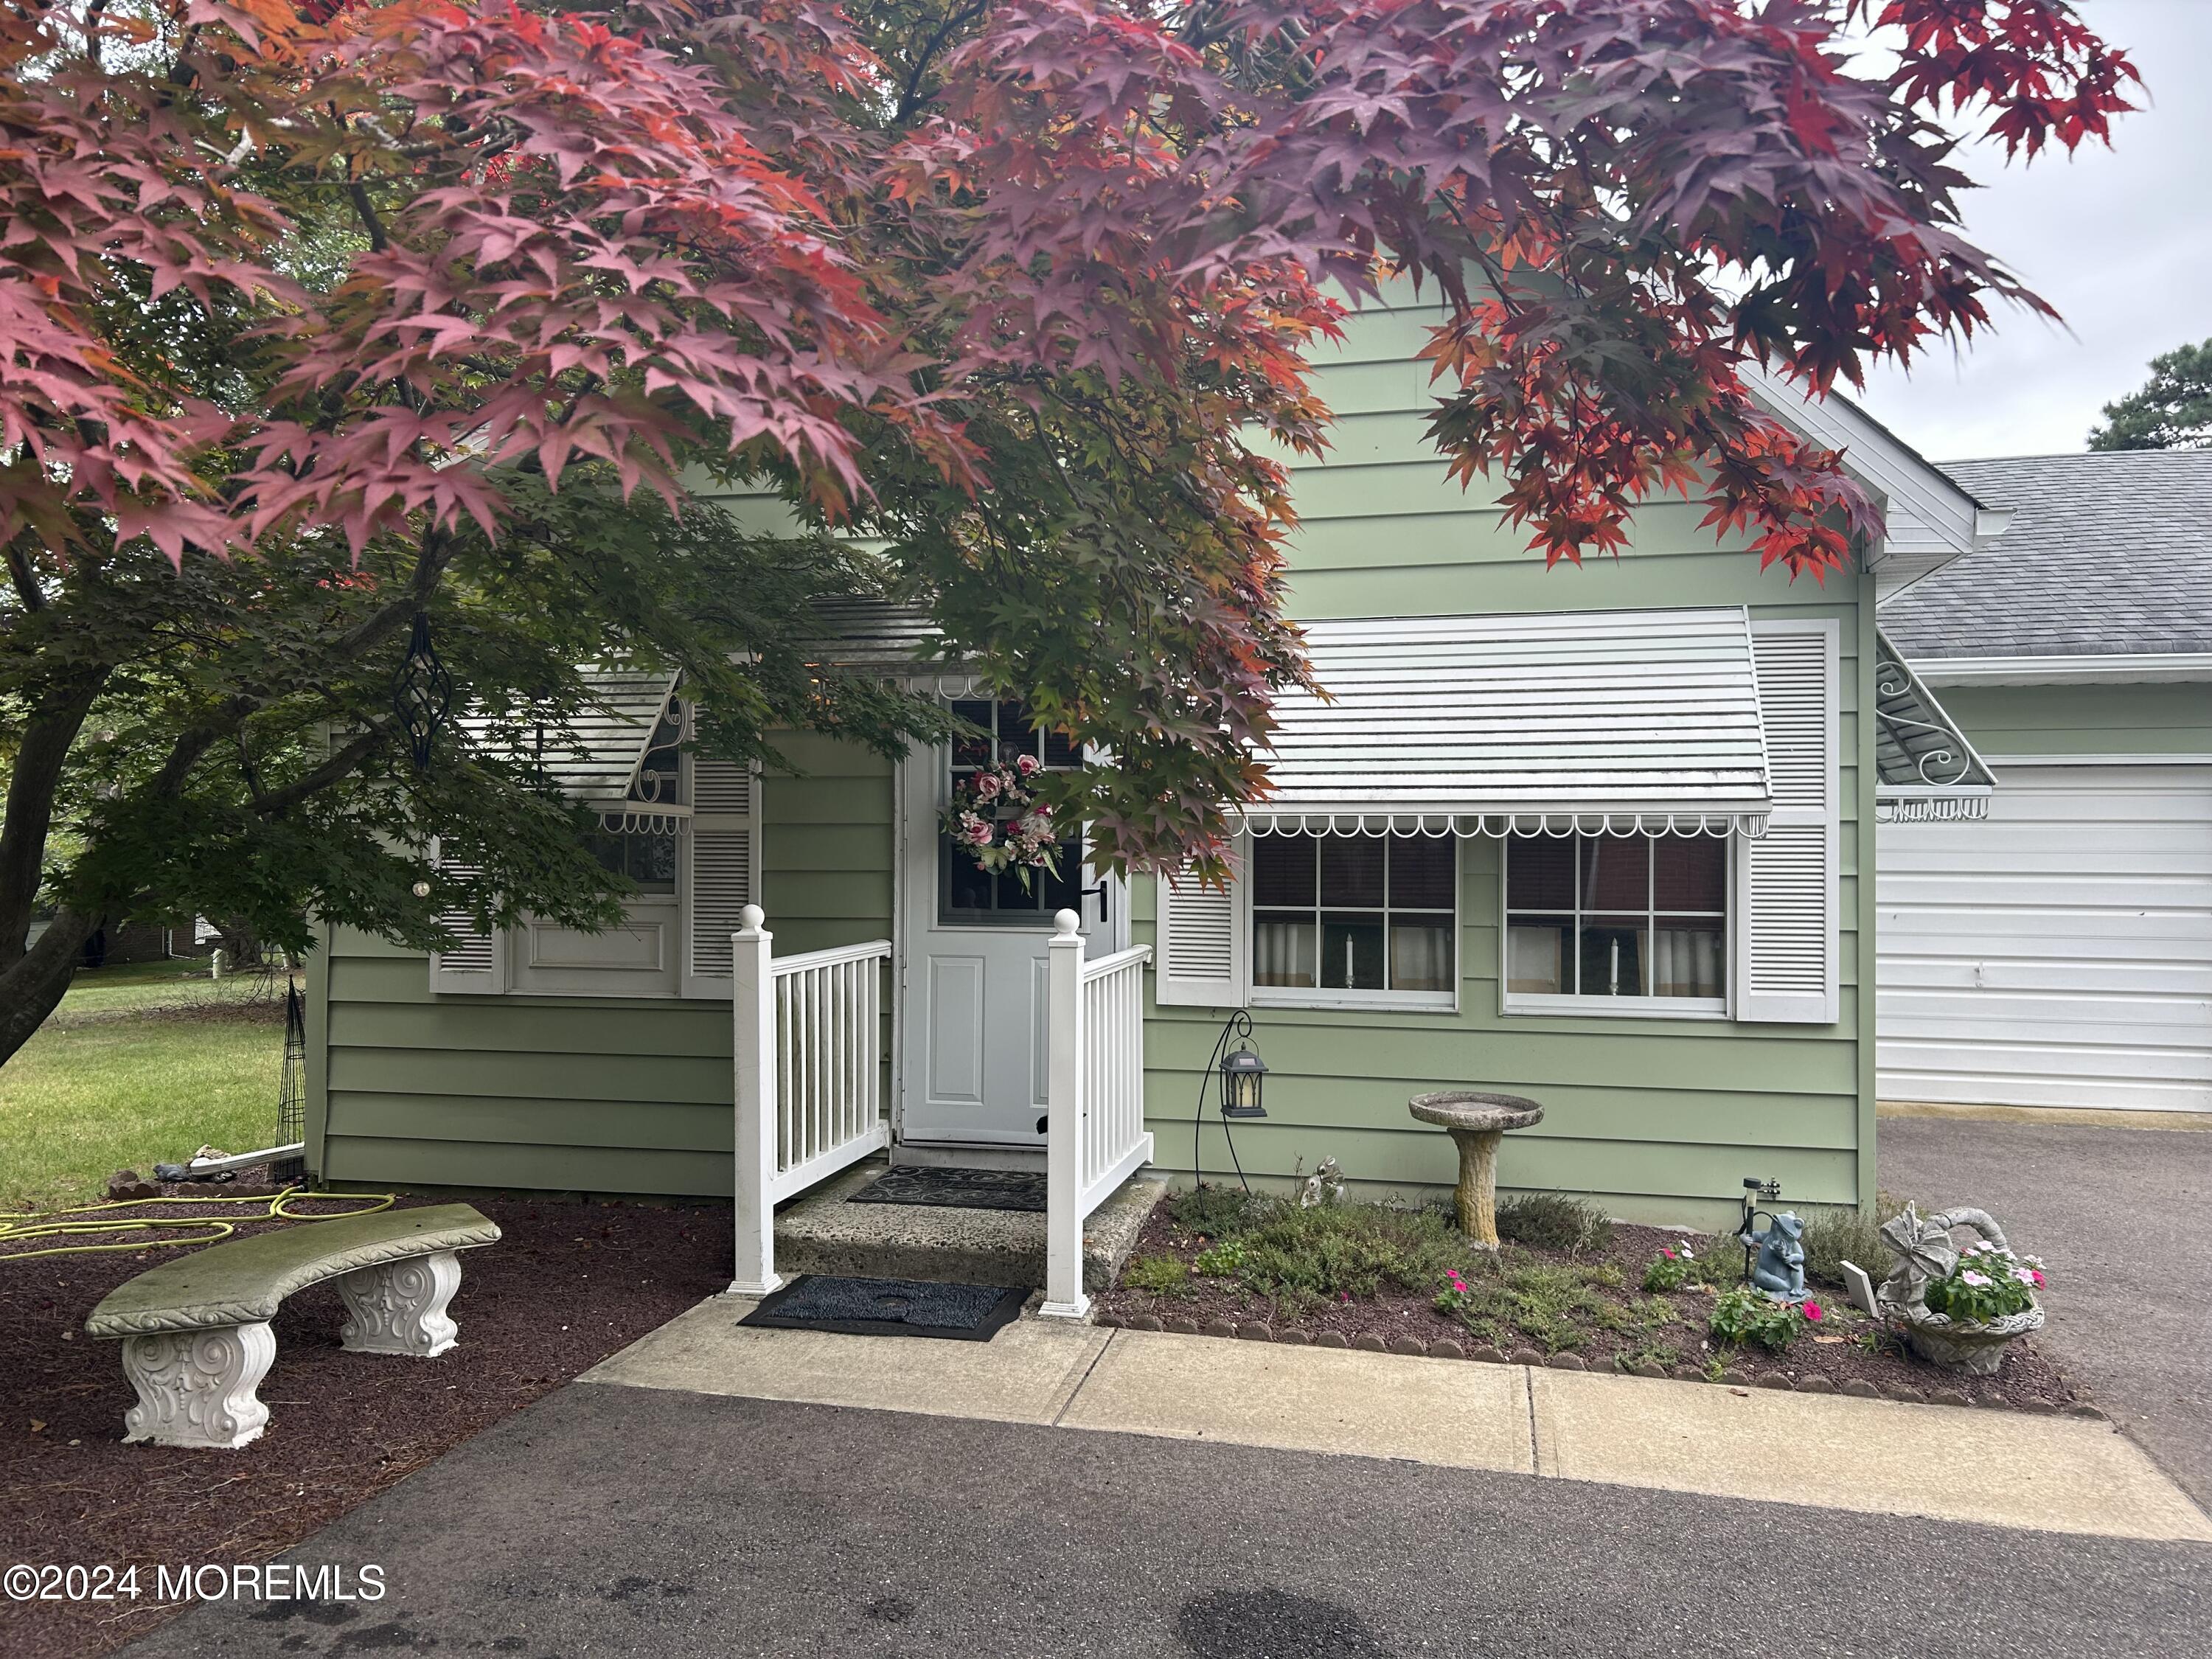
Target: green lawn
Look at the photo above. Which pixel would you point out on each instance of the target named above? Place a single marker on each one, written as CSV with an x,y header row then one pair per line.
x,y
140,1064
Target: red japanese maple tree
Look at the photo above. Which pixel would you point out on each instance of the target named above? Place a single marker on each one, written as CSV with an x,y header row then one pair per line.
x,y
1003,283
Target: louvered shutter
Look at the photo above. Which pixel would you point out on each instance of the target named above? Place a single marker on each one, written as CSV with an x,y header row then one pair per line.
x,y
1787,909
477,964
1204,957
721,869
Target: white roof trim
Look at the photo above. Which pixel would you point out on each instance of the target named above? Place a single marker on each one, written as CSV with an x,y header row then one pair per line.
x,y
1929,519
1485,725
2124,668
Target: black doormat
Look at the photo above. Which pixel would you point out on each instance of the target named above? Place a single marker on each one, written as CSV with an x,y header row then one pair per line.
x,y
956,1190
889,1307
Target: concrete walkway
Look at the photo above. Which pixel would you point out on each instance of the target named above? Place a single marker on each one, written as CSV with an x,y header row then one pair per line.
x,y
2119,1214
1999,1468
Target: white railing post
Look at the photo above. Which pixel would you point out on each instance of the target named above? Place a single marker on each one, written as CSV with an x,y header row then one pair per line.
x,y
752,999
1063,1154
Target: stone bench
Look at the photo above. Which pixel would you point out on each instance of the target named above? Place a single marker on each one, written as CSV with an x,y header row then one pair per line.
x,y
195,1330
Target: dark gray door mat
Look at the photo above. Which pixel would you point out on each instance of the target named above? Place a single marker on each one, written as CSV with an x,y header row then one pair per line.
x,y
889,1307
956,1190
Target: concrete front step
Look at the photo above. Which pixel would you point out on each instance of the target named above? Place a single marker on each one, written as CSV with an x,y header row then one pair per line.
x,y
818,1232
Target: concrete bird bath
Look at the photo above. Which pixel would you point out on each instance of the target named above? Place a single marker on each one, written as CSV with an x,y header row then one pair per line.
x,y
1477,1122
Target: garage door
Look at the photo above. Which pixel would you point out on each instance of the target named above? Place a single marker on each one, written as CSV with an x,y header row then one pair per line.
x,y
2058,954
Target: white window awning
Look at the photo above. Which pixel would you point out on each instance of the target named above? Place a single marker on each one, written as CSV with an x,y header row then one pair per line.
x,y
599,760
1924,766
1556,720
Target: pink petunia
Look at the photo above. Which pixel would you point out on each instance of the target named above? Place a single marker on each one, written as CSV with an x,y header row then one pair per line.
x,y
1669,1253
2036,1274
1812,1312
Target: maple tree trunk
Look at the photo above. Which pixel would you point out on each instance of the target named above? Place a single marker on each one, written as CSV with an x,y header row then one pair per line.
x,y
32,987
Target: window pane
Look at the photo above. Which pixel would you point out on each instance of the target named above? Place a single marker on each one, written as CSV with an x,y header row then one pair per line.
x,y
1616,872
970,751
1539,874
968,886
1612,956
1689,957
652,862
1351,870
1060,750
1011,894
1283,949
1537,956
1421,869
1352,949
1690,872
1420,956
1283,870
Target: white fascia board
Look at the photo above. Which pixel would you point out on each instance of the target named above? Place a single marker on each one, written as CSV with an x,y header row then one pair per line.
x,y
2121,668
1902,478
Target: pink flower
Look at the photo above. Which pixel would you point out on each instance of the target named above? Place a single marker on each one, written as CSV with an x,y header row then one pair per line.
x,y
986,785
980,833
1977,1280
1025,764
2036,1274
1669,1253
1812,1312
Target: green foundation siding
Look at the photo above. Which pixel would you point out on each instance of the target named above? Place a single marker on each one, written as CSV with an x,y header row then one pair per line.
x,y
2082,719
581,1094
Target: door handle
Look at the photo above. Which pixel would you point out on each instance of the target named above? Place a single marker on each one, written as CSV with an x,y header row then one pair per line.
x,y
1101,891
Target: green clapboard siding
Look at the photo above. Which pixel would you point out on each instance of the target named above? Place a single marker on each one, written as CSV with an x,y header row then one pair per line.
x,y
2082,719
1655,1119
575,1093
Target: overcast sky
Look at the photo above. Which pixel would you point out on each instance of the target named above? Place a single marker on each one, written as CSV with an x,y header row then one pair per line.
x,y
2120,241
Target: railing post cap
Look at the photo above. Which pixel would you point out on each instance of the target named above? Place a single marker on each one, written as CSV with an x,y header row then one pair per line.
x,y
1066,922
751,917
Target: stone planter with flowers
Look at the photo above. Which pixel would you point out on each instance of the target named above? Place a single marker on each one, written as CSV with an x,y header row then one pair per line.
x,y
1959,1308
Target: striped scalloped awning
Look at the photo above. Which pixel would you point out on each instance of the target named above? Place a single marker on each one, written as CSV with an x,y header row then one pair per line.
x,y
1924,766
597,760
1594,719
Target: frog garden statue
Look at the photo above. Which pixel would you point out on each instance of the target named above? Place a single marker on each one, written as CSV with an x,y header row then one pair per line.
x,y
1779,1270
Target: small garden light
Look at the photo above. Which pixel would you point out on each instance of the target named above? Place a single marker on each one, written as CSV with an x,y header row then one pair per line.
x,y
1238,1077
1242,1075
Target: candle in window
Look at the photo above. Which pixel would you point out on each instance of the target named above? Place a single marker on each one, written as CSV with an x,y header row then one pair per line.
x,y
1614,987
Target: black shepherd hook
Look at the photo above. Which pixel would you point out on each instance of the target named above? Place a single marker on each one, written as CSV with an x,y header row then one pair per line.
x,y
1239,1026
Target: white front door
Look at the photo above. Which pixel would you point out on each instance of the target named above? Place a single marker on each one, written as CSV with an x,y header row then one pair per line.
x,y
971,1067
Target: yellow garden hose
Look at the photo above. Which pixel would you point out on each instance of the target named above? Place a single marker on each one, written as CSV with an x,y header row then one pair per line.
x,y
27,1224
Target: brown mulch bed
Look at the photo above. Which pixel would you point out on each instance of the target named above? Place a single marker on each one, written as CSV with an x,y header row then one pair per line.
x,y
1845,1347
568,1285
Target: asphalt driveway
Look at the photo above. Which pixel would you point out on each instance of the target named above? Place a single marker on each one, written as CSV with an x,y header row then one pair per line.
x,y
2123,1218
607,1520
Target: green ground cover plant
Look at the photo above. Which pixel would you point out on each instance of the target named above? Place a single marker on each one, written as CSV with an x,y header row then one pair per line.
x,y
1744,1315
1552,1221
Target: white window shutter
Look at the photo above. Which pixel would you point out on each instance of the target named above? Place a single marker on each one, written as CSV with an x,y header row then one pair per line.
x,y
476,964
721,869
1787,909
1204,950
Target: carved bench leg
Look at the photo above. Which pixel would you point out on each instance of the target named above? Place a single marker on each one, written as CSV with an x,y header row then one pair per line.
x,y
195,1388
400,1306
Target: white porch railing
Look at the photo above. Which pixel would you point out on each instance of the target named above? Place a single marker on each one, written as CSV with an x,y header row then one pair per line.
x,y
810,1089
1095,1136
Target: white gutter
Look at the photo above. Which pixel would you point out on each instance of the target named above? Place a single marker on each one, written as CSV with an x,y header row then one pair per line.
x,y
2118,668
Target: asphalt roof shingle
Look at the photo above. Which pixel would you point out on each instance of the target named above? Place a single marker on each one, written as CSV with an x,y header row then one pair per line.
x,y
2107,554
